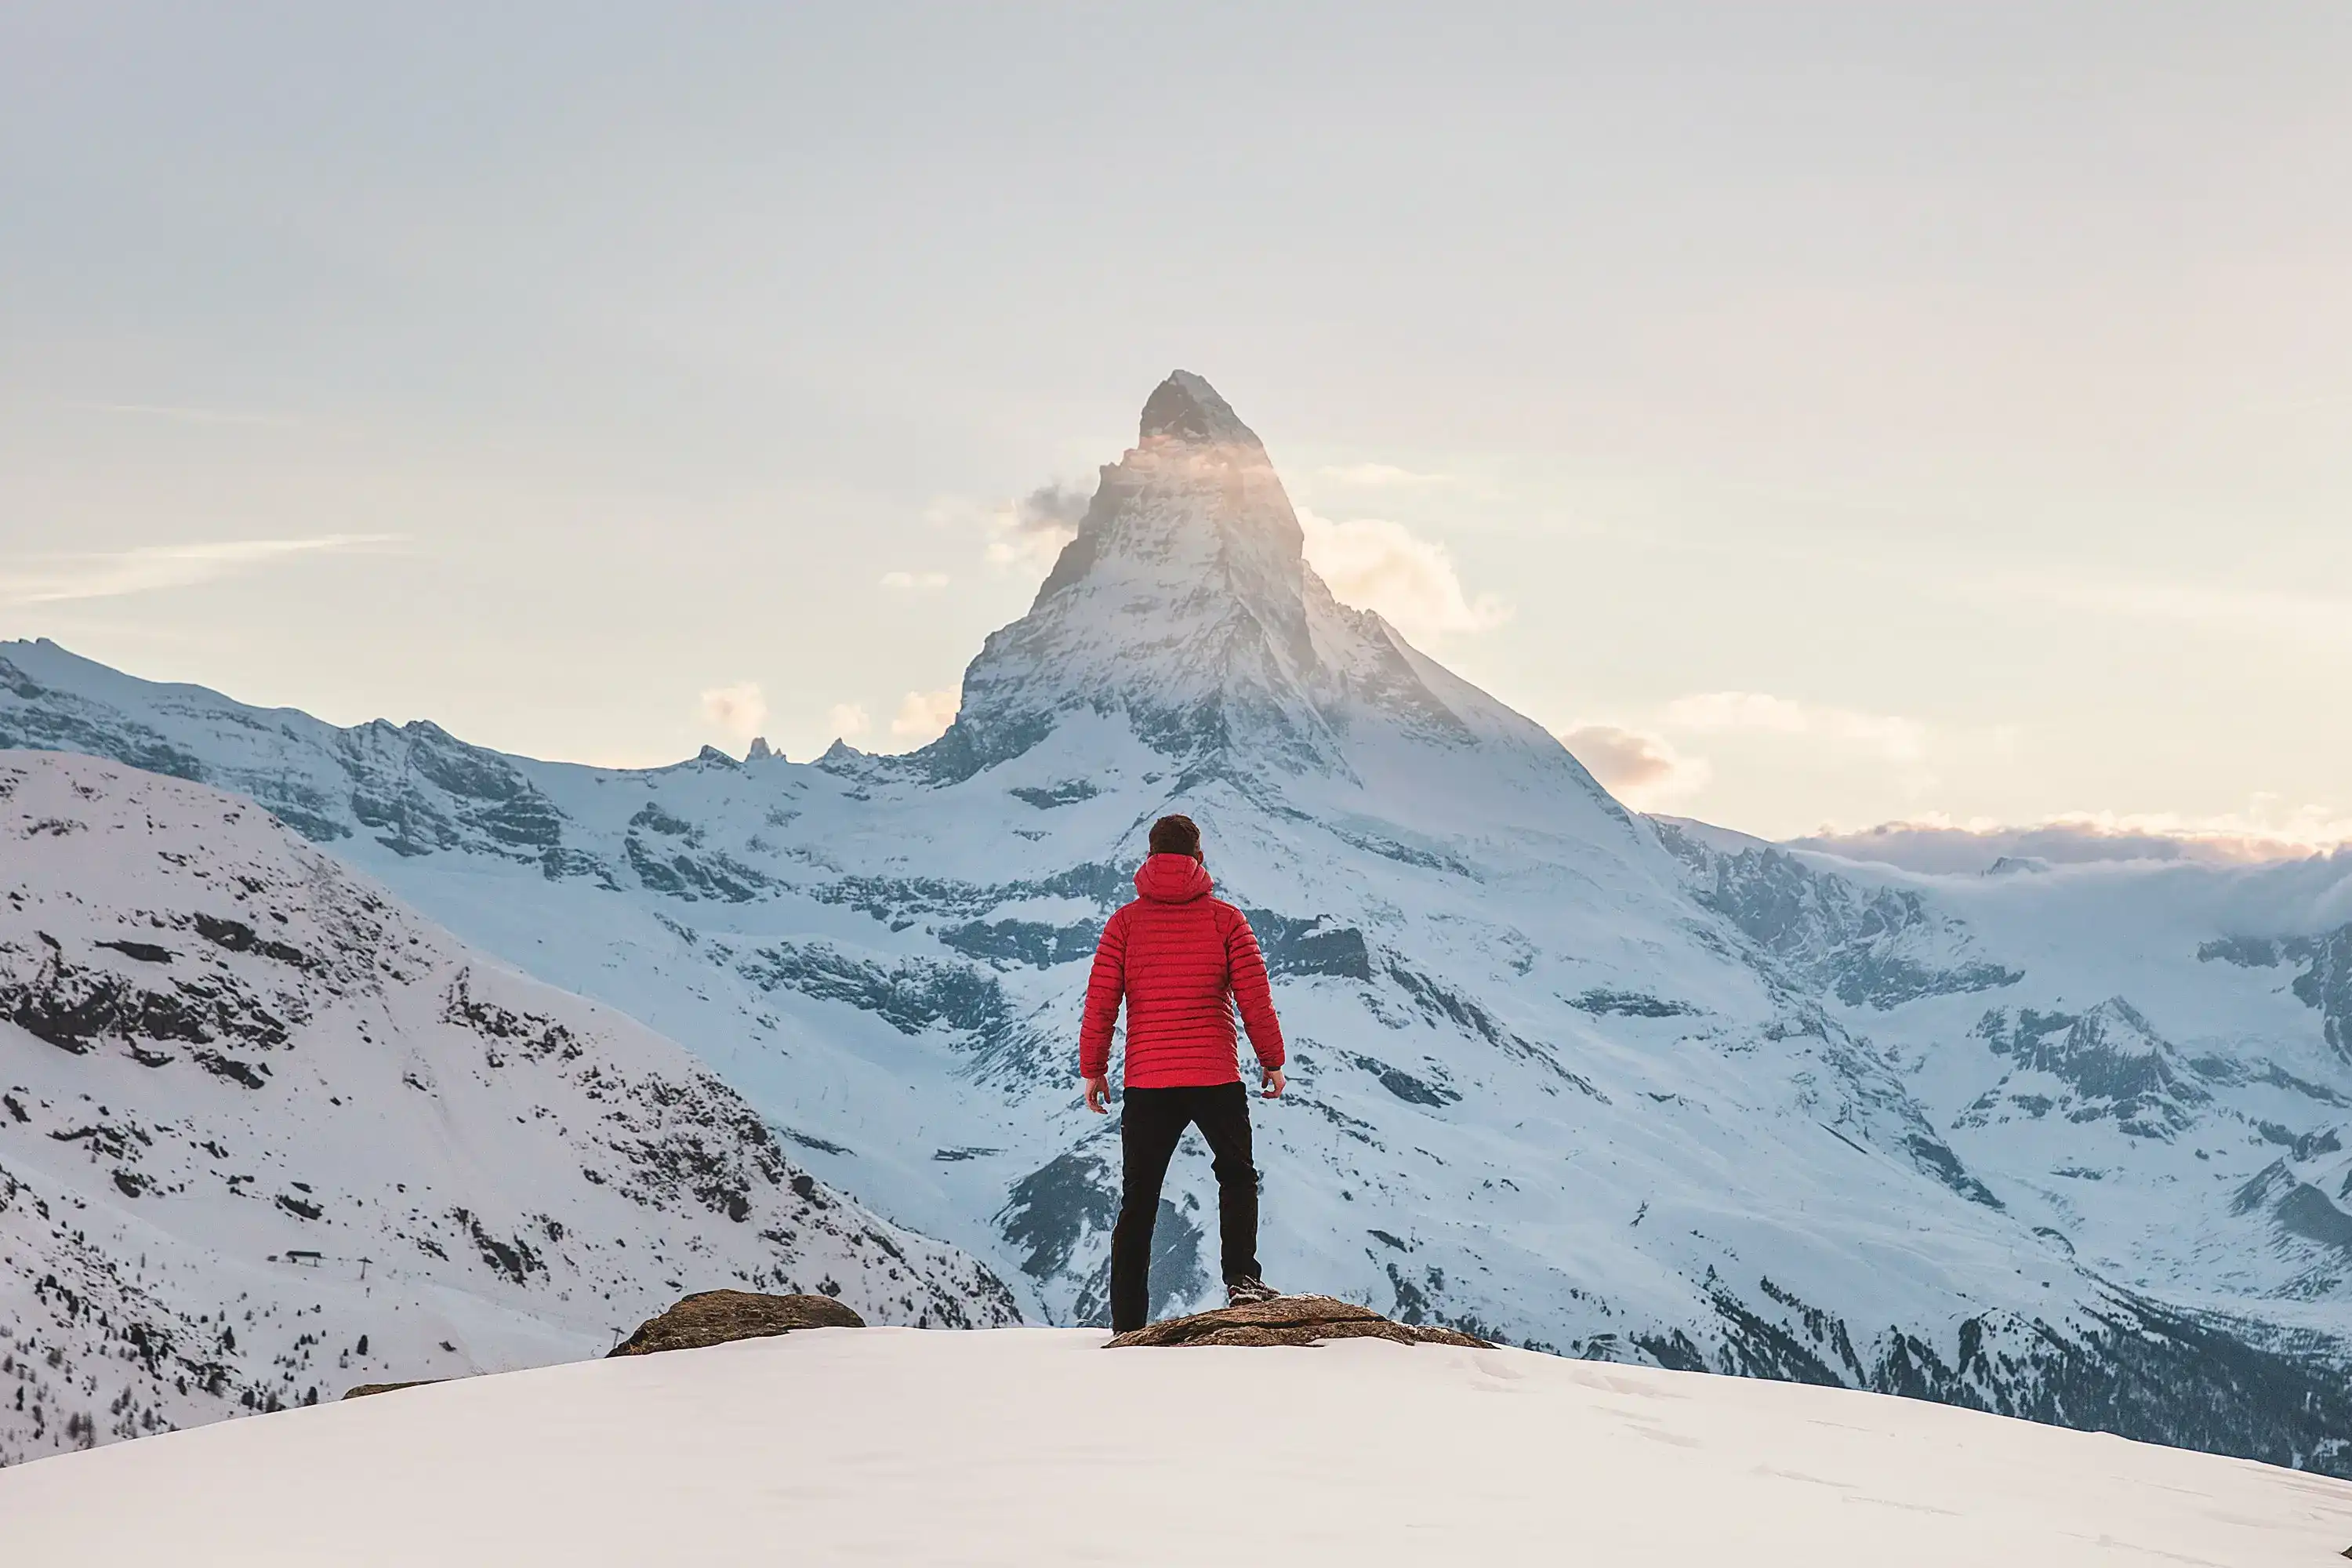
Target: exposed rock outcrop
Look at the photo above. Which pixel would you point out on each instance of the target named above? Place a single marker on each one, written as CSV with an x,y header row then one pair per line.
x,y
717,1317
361,1389
1290,1320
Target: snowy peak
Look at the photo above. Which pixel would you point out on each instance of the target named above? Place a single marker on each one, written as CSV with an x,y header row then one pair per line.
x,y
1185,612
1181,606
1186,408
1195,507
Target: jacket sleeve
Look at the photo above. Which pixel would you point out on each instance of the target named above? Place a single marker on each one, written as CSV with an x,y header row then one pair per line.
x,y
1252,993
1104,987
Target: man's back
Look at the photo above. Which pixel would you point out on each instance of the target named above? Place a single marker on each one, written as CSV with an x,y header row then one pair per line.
x,y
1182,961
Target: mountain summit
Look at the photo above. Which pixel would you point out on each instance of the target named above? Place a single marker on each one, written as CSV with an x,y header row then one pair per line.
x,y
1193,505
1184,614
1185,407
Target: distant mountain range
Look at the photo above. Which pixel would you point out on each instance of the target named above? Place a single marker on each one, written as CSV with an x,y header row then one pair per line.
x,y
2066,1143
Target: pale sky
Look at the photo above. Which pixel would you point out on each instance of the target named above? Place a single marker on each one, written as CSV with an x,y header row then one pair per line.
x,y
1831,413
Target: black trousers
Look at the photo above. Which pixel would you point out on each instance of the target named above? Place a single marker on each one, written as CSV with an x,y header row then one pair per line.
x,y
1150,1122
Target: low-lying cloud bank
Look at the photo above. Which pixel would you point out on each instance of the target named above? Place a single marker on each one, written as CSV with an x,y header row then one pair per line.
x,y
1940,847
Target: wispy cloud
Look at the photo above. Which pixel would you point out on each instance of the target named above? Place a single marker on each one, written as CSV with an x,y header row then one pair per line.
x,y
1717,712
1380,475
1643,770
1409,580
2318,619
1022,535
738,710
1028,534
914,582
848,720
183,414
56,578
2306,617
924,716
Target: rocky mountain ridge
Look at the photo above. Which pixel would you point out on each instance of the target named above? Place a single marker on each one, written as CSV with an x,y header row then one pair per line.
x,y
263,1134
1562,1075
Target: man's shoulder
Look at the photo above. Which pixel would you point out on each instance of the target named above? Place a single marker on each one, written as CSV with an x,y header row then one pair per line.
x,y
1227,915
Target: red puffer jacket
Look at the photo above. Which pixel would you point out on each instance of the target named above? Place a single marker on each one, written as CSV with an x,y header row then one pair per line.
x,y
1182,960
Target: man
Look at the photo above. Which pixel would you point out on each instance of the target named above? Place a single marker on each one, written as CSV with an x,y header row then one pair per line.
x,y
1182,962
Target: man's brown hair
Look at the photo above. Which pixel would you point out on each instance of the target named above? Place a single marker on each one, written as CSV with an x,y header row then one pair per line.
x,y
1176,835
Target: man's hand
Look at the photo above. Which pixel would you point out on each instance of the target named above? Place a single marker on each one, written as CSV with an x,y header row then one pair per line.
x,y
1275,1083
1098,1094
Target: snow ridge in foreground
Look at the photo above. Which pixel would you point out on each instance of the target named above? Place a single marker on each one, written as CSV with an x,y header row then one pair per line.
x,y
890,1446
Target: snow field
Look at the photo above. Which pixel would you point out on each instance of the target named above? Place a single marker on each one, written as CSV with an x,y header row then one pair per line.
x,y
1033,1447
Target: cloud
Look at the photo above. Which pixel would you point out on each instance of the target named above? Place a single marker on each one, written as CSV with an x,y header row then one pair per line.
x,y
1643,769
1409,582
59,577
924,716
738,709
1029,533
1936,844
183,413
912,582
1717,712
847,720
1378,475
2318,619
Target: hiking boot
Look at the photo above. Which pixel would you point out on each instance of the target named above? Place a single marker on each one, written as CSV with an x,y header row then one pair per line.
x,y
1241,1292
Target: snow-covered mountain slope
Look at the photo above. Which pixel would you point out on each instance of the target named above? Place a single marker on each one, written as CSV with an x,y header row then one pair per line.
x,y
1354,1455
1559,1075
265,1134
2158,1078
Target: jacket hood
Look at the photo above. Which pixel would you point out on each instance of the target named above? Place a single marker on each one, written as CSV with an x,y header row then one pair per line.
x,y
1172,880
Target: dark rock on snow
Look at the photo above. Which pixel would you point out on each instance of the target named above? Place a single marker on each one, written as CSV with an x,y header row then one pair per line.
x,y
361,1389
717,1317
1290,1320
705,1318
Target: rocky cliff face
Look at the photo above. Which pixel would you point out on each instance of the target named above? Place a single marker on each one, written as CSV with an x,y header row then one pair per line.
x,y
1875,947
264,1133
1561,1076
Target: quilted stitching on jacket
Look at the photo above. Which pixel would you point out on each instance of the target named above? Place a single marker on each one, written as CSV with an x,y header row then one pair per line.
x,y
1183,963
